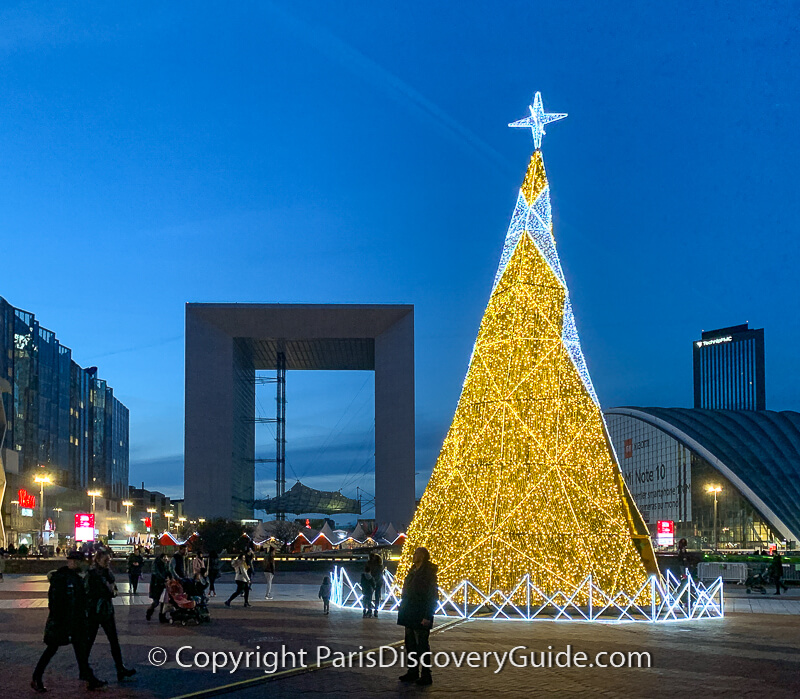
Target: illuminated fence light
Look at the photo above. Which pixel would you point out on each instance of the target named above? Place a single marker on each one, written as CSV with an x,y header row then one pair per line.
x,y
656,601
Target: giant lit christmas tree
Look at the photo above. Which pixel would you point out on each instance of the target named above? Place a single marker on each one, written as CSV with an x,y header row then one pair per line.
x,y
527,482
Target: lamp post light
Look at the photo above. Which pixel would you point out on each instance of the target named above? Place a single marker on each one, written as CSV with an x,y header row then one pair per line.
x,y
42,479
715,489
128,504
152,512
58,511
169,516
202,520
95,494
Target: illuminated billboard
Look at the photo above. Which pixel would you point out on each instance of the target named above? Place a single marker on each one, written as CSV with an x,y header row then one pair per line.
x,y
84,527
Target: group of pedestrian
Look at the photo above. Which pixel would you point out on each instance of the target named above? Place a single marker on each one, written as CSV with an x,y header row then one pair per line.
x,y
78,608
244,572
372,586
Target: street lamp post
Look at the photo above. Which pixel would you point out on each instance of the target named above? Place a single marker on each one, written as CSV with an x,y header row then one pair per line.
x,y
152,512
95,494
128,504
715,489
169,516
42,479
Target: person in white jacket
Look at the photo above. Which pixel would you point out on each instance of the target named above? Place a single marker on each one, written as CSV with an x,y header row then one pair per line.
x,y
242,581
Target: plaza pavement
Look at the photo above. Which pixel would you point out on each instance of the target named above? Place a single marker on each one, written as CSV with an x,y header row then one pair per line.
x,y
754,651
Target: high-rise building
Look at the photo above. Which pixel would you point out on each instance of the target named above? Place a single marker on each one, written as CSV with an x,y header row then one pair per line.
x,y
729,369
60,416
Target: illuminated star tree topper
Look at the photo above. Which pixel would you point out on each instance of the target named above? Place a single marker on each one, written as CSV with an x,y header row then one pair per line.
x,y
537,120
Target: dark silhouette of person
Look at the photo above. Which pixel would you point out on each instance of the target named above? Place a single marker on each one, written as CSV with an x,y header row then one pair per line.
x,y
417,607
776,571
135,563
376,568
100,592
67,622
158,582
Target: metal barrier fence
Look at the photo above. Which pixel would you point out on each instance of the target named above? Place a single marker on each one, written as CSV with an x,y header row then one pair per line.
x,y
729,572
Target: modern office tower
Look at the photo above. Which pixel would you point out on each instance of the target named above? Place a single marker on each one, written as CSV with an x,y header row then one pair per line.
x,y
60,416
729,369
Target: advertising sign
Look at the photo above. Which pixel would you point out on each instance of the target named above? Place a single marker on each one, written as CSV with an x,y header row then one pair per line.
x,y
26,500
665,532
84,527
656,468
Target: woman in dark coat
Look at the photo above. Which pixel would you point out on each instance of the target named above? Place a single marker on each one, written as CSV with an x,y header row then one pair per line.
x,y
100,592
66,622
417,607
158,582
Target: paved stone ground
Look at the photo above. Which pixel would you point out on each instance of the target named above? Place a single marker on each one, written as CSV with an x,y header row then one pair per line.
x,y
743,655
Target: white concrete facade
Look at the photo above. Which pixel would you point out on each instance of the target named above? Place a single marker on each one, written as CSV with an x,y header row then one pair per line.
x,y
227,343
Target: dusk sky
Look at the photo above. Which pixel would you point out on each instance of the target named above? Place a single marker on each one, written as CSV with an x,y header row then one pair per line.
x,y
153,154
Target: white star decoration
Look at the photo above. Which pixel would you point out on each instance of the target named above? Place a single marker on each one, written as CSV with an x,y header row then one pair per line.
x,y
537,120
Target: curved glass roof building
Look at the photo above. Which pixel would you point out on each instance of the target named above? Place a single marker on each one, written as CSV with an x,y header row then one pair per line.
x,y
670,457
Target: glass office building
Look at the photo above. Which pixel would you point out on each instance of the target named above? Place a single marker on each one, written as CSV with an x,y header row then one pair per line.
x,y
59,415
670,456
728,367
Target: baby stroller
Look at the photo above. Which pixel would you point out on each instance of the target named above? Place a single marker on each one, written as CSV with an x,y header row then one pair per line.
x,y
185,609
757,582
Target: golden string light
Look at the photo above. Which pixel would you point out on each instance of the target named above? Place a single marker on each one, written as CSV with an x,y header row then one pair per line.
x,y
526,481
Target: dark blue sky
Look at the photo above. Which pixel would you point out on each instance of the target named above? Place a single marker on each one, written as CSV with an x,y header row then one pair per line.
x,y
157,153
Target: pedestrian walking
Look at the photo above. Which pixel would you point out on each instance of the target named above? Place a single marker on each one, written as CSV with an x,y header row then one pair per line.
x,y
158,582
269,571
376,568
198,565
776,571
250,562
417,607
213,572
242,581
367,590
135,563
177,564
325,594
66,623
100,593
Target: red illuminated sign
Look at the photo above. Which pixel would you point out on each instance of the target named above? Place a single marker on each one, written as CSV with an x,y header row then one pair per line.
x,y
84,527
665,526
148,522
665,532
26,500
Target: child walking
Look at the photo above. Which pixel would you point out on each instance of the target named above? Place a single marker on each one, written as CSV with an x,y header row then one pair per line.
x,y
325,594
